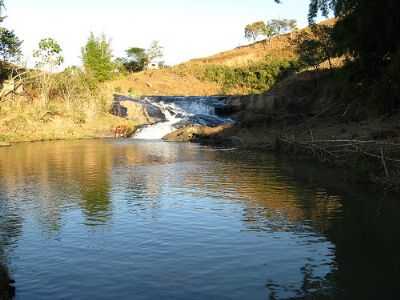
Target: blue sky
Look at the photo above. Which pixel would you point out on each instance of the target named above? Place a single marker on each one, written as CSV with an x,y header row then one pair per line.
x,y
186,28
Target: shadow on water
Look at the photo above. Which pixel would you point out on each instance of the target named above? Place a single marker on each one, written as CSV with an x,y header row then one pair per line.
x,y
364,226
47,182
366,234
7,291
10,229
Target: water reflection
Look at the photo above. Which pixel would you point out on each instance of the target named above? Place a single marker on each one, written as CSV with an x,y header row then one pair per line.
x,y
10,229
157,218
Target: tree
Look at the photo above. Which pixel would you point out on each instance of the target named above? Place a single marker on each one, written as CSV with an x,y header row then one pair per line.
x,y
281,26
97,58
315,46
365,29
48,55
324,36
10,45
310,51
137,59
155,52
254,30
269,32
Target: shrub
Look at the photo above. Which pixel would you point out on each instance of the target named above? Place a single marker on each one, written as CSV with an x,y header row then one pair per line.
x,y
255,78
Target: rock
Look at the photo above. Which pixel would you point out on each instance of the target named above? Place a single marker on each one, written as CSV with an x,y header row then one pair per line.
x,y
143,113
206,120
140,111
154,112
194,133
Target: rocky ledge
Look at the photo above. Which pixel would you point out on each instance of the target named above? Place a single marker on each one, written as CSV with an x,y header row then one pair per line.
x,y
199,133
138,110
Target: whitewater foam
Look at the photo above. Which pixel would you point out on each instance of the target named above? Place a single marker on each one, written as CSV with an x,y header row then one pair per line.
x,y
180,111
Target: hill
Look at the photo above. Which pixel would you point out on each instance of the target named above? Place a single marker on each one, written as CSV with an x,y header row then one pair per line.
x,y
194,78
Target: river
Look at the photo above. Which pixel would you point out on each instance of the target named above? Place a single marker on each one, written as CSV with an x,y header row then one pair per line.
x,y
138,219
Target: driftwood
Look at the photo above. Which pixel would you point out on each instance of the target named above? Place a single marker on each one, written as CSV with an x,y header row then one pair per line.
x,y
383,157
15,83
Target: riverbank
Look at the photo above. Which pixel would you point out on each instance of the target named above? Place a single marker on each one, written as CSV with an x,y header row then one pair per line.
x,y
307,116
57,127
65,111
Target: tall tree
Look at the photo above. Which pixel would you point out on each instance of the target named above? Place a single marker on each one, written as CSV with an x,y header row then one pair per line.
x,y
97,58
254,30
10,45
366,29
280,26
48,55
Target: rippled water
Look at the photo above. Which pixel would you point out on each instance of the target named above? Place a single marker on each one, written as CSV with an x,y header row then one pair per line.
x,y
150,220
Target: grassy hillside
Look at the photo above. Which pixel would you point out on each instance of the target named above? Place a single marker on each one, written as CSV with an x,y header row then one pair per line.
x,y
280,47
168,82
228,72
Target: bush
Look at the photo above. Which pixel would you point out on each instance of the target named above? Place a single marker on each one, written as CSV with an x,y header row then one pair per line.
x,y
255,78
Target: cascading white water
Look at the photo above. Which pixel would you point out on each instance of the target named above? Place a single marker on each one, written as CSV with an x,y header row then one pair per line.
x,y
159,130
177,112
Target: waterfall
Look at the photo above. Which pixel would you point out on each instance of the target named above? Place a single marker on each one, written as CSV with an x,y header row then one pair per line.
x,y
180,112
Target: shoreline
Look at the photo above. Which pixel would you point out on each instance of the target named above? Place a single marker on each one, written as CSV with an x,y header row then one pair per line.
x,y
366,161
275,145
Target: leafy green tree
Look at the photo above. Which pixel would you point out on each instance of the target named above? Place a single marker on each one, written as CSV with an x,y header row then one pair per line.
x,y
269,32
48,55
97,58
254,30
324,36
281,26
137,59
315,46
310,51
10,45
366,29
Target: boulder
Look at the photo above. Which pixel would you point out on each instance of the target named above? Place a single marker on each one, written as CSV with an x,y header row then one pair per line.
x,y
140,111
194,133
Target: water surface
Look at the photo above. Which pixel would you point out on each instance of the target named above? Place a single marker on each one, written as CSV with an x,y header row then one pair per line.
x,y
151,220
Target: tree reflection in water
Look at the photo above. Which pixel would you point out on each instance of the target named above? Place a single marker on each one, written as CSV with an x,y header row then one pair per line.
x,y
10,229
301,204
